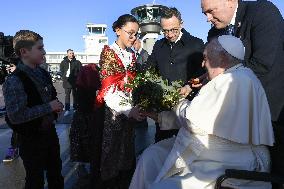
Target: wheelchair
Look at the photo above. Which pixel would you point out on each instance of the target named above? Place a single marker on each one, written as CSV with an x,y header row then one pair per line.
x,y
276,178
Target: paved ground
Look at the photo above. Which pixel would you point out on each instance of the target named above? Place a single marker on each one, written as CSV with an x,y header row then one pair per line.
x,y
12,175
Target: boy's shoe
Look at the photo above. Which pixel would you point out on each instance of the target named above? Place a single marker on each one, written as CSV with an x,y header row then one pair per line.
x,y
12,154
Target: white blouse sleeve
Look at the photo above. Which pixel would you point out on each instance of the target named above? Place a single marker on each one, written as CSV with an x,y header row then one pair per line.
x,y
113,100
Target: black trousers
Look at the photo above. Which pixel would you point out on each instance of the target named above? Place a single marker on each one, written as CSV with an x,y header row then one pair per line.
x,y
96,135
67,98
14,140
277,151
164,134
42,153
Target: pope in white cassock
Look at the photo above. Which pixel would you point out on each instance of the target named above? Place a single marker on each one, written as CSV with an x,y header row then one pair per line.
x,y
226,126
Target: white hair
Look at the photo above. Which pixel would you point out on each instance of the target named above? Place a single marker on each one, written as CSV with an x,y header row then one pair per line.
x,y
216,50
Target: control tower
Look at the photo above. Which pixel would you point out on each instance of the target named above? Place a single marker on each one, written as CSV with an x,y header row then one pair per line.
x,y
96,38
148,17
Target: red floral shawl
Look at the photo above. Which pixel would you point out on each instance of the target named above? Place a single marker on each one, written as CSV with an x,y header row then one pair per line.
x,y
113,73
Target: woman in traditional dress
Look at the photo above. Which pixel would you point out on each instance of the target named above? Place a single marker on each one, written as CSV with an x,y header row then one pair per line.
x,y
117,69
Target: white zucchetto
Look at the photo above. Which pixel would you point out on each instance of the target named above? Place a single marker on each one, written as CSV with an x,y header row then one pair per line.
x,y
233,46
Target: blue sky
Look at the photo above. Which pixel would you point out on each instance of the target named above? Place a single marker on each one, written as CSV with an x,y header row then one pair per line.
x,y
62,23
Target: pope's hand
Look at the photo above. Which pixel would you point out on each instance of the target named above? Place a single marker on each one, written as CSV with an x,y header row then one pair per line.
x,y
184,91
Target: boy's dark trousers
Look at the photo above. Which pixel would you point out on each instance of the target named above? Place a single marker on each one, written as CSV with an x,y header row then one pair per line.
x,y
41,153
14,140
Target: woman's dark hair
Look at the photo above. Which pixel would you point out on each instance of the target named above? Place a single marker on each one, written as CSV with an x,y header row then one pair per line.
x,y
122,20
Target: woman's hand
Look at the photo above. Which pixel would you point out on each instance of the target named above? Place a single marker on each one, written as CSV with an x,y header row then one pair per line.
x,y
136,114
152,115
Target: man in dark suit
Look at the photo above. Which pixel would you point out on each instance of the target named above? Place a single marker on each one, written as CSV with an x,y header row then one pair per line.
x,y
177,56
69,69
141,58
260,26
141,54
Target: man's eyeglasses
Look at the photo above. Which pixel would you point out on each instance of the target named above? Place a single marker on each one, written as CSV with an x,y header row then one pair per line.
x,y
131,34
173,30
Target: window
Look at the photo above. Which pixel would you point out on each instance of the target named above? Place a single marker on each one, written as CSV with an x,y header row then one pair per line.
x,y
142,14
103,41
149,14
97,30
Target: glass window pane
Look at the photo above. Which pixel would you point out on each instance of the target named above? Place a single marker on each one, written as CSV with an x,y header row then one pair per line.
x,y
97,30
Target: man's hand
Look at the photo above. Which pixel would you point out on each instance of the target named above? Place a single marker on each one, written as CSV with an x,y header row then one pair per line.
x,y
56,106
194,83
200,81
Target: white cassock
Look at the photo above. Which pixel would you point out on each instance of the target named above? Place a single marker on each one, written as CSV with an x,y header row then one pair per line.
x,y
226,126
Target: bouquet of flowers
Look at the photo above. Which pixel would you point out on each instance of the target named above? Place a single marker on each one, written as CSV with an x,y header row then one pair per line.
x,y
152,93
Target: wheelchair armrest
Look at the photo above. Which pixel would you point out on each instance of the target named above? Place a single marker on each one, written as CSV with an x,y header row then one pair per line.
x,y
249,175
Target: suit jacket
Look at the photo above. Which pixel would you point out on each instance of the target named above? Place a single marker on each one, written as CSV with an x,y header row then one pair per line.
x,y
260,26
142,57
75,66
182,62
